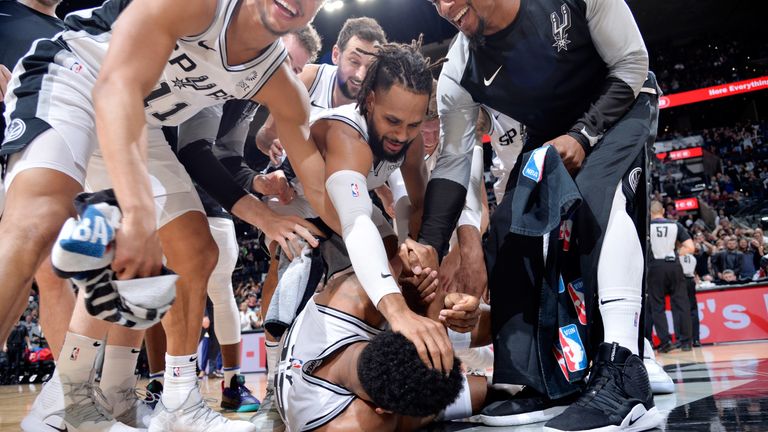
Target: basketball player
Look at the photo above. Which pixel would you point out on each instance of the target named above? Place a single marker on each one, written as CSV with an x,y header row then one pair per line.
x,y
340,371
21,23
329,86
572,72
42,181
196,137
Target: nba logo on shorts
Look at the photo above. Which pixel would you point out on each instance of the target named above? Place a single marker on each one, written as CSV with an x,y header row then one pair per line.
x,y
177,371
355,190
576,291
560,360
534,168
75,354
573,349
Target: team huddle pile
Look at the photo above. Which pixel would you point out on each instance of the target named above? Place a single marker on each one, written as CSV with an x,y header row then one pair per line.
x,y
152,100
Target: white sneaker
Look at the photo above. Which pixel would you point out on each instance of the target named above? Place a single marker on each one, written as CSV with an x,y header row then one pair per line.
x,y
267,418
132,410
194,415
82,413
661,382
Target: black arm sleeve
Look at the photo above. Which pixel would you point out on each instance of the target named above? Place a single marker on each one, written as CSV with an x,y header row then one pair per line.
x,y
443,203
613,102
240,171
197,157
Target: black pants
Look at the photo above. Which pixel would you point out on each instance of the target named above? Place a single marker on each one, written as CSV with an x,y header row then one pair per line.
x,y
690,287
667,278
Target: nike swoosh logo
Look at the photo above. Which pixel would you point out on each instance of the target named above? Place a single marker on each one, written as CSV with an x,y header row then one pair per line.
x,y
193,359
202,44
316,105
610,301
5,14
58,429
493,77
135,351
634,420
97,344
384,276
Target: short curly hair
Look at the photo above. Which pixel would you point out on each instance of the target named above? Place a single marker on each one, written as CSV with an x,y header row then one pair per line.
x,y
393,375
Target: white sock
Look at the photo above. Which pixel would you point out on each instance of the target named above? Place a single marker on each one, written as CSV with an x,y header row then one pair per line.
x,y
621,317
620,277
273,356
229,373
180,379
118,372
76,361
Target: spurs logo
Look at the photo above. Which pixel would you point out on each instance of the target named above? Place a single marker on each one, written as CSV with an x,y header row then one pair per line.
x,y
193,82
560,26
15,130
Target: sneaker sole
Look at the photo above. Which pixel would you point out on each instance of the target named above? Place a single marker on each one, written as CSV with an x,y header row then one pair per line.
x,y
34,424
644,420
522,418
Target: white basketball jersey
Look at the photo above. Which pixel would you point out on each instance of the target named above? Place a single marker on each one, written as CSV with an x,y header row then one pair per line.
x,y
321,90
306,402
198,73
507,142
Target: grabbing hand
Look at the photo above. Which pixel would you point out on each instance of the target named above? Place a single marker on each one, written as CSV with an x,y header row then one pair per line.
x,y
137,247
416,257
571,152
287,232
425,284
276,153
429,337
274,183
461,313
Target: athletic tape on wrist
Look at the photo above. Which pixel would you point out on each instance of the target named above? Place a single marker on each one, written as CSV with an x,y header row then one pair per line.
x,y
460,341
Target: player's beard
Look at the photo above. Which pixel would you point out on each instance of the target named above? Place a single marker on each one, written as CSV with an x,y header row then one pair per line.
x,y
477,39
376,142
344,87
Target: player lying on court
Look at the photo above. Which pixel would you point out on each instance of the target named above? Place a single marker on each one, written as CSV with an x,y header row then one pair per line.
x,y
340,370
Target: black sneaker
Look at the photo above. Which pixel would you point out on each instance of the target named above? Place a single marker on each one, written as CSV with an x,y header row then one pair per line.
x,y
237,397
697,343
525,407
154,392
666,347
686,346
618,397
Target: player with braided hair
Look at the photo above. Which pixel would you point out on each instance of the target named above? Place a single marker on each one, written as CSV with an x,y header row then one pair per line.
x,y
361,145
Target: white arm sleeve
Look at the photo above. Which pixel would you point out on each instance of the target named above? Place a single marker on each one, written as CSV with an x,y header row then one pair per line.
x,y
473,207
349,193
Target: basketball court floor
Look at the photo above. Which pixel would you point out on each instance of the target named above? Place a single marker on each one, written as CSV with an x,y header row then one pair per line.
x,y
719,388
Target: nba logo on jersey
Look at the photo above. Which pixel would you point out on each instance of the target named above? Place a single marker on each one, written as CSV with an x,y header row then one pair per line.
x,y
355,190
561,287
565,234
534,168
296,363
75,354
573,349
576,291
560,360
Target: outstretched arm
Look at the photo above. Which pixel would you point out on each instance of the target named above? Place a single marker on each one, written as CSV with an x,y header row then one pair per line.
x,y
147,29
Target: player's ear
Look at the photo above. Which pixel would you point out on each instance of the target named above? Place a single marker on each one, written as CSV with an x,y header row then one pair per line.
x,y
335,54
370,100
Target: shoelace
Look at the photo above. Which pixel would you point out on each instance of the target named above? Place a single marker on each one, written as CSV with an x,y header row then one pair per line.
x,y
85,407
202,412
604,391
